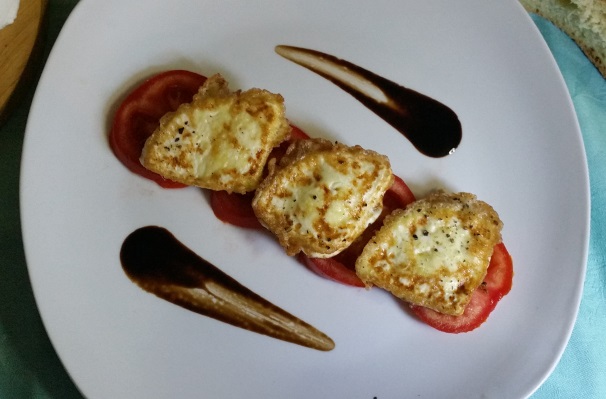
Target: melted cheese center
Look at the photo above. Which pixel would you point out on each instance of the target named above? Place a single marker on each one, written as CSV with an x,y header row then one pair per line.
x,y
218,140
321,202
328,198
431,248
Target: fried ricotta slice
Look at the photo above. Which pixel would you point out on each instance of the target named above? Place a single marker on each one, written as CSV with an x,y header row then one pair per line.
x,y
322,196
435,252
221,140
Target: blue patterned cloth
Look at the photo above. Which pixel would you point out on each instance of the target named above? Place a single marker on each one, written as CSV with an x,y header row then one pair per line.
x,y
581,372
29,367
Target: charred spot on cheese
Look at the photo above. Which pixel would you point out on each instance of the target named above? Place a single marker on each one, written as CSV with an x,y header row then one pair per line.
x,y
221,140
435,252
322,196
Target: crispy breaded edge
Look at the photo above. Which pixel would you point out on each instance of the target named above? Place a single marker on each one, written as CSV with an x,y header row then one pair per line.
x,y
216,88
489,234
297,151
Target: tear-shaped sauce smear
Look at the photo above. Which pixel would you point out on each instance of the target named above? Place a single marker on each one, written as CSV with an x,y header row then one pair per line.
x,y
432,127
160,264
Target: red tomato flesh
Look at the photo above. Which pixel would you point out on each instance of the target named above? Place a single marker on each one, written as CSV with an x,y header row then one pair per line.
x,y
234,209
497,283
332,269
139,115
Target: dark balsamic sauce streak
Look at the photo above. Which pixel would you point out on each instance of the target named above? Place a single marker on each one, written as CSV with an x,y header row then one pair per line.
x,y
432,127
159,263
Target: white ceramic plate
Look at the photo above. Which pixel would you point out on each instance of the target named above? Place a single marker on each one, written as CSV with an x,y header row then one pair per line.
x,y
521,151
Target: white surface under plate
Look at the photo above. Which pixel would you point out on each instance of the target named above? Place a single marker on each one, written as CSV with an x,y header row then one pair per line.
x,y
521,151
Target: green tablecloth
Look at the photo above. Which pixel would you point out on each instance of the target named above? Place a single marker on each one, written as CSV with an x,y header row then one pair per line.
x,y
29,367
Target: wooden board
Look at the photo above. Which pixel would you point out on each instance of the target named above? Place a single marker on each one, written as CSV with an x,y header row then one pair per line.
x,y
17,42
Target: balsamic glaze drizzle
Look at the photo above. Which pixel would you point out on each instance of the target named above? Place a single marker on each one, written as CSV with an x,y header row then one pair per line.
x,y
159,263
432,127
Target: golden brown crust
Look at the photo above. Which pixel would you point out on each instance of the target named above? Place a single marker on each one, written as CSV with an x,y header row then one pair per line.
x,y
435,252
322,196
221,140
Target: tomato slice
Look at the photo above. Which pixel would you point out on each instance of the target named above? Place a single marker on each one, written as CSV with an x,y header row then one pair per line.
x,y
499,278
497,283
139,115
331,269
398,196
297,134
341,268
236,208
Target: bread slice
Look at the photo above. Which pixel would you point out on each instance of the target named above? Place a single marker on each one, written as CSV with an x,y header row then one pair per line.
x,y
583,20
221,140
322,196
434,253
